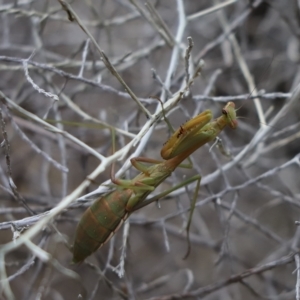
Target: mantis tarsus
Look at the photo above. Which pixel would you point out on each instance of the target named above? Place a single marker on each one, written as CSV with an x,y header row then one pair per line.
x,y
100,221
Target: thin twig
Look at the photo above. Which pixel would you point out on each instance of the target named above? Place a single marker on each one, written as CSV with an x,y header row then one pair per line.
x,y
104,58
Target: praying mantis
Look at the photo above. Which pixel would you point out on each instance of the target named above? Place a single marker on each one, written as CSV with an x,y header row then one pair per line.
x,y
101,220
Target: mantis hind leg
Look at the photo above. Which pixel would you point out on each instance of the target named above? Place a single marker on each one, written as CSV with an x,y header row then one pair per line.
x,y
196,178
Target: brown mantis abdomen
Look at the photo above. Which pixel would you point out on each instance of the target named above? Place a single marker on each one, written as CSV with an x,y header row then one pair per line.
x,y
99,223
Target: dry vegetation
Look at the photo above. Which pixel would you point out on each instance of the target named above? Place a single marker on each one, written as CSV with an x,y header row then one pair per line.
x,y
60,101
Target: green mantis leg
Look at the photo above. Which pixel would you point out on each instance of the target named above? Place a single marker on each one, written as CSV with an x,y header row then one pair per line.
x,y
134,161
129,184
193,204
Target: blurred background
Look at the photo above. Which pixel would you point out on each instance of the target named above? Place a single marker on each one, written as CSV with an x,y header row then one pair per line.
x,y
60,105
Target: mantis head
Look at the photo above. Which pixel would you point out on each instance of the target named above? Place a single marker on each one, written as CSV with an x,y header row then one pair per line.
x,y
229,112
